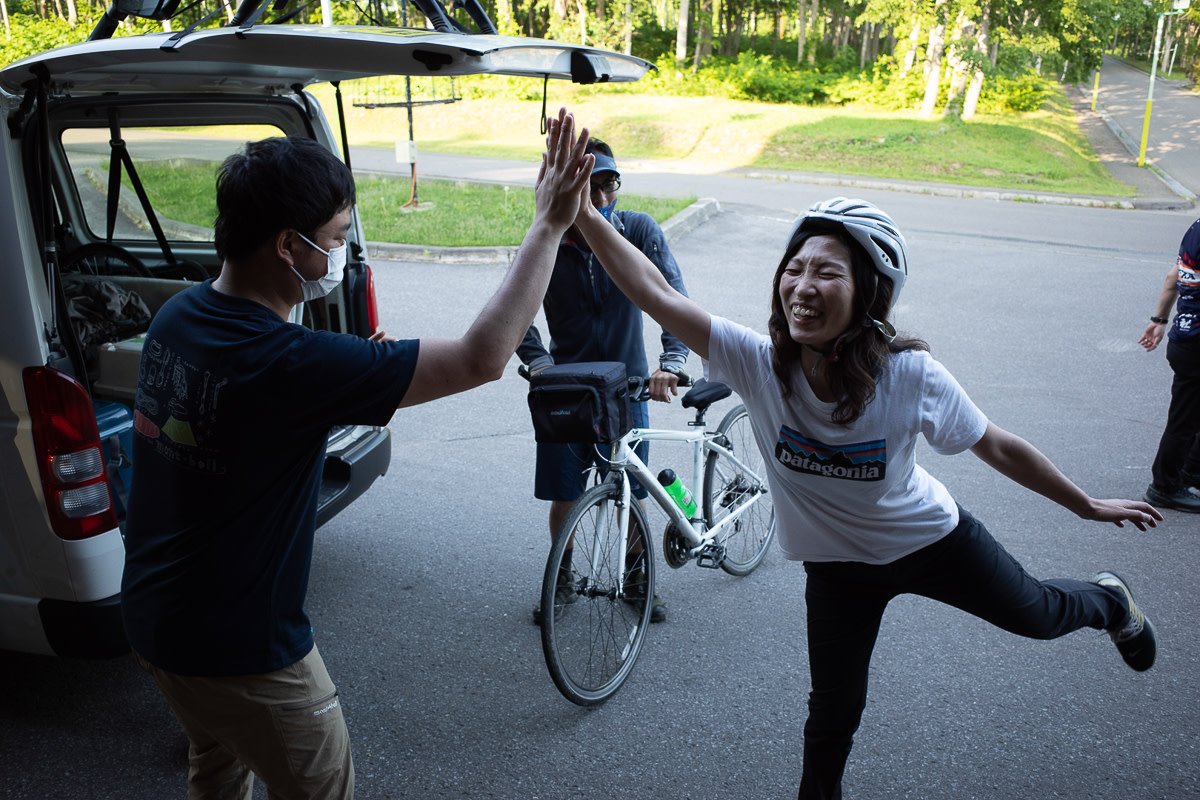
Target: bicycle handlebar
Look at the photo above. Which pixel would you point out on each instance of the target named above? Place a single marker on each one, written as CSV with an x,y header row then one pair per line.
x,y
639,387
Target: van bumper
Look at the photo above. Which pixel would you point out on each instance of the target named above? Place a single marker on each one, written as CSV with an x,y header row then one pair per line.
x,y
353,461
84,630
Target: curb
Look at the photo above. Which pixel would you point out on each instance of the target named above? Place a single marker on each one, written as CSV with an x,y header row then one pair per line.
x,y
675,229
938,190
1187,198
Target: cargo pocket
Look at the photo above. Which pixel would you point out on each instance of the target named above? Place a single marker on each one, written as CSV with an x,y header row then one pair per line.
x,y
314,737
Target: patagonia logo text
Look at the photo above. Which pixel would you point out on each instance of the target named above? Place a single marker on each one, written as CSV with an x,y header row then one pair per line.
x,y
864,461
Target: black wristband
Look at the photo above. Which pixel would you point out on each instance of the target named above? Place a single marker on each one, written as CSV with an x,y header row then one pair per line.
x,y
1159,320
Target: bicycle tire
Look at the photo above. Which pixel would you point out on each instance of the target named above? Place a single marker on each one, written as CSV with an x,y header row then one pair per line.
x,y
725,486
591,642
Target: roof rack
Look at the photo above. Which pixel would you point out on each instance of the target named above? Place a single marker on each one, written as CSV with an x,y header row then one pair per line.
x,y
250,11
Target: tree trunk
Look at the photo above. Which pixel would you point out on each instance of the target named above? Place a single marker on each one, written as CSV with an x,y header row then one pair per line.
x,y
813,10
964,30
862,51
981,46
802,31
914,41
504,18
681,33
933,64
704,37
72,13
628,27
775,20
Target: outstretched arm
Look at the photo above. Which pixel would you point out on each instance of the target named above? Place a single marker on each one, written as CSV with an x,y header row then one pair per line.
x,y
448,366
1166,301
640,280
1017,459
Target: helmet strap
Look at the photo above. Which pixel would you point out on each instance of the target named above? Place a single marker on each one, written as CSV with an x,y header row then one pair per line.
x,y
886,329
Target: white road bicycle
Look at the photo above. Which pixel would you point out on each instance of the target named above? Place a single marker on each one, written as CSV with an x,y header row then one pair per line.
x,y
601,568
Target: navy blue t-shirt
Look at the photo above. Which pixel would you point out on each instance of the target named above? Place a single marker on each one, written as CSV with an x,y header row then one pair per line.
x,y
1186,327
232,413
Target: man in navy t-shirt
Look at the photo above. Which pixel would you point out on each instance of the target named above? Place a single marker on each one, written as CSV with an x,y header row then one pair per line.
x,y
1176,470
233,408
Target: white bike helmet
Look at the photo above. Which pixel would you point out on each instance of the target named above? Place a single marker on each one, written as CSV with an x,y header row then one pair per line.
x,y
871,228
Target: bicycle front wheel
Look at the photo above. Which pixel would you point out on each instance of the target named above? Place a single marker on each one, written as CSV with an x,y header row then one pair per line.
x,y
727,486
592,638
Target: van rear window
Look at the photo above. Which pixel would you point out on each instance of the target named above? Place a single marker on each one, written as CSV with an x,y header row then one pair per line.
x,y
177,168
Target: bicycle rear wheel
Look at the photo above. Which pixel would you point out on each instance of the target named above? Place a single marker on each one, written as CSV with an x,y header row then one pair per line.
x,y
727,486
592,638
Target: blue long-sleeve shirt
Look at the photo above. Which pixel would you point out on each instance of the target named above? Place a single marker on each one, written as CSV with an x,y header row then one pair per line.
x,y
590,319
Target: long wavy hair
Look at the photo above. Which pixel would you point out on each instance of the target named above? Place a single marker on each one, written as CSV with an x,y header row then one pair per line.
x,y
861,352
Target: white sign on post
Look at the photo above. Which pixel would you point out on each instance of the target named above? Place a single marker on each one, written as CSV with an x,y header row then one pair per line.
x,y
1182,5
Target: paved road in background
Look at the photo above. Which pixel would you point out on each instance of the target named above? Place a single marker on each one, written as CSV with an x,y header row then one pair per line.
x,y
1172,144
421,592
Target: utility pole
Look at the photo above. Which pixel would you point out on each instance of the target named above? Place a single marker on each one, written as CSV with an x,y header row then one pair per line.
x,y
1180,6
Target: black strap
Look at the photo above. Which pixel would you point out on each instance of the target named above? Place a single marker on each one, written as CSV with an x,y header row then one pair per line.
x,y
120,156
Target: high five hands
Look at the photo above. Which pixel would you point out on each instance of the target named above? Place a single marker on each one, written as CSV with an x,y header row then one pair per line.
x,y
565,173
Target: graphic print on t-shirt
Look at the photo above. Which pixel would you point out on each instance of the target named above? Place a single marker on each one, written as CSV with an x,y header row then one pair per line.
x,y
863,461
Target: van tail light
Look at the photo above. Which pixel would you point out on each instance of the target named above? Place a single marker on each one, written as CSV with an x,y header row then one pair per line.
x,y
66,441
372,303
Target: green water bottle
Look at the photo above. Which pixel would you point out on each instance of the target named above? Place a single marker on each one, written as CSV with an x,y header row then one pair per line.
x,y
678,492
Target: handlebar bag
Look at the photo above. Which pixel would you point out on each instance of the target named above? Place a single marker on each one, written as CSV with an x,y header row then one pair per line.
x,y
587,402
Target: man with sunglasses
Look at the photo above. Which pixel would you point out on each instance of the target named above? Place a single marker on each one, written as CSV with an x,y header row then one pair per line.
x,y
591,320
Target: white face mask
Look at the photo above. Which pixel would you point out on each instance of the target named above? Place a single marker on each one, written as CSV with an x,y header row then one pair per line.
x,y
336,261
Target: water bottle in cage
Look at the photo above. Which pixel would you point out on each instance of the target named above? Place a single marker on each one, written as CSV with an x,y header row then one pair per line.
x,y
679,493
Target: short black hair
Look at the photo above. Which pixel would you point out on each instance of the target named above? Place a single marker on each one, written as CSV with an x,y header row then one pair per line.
x,y
277,184
597,146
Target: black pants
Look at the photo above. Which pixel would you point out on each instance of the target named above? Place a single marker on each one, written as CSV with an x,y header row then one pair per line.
x,y
1179,448
967,569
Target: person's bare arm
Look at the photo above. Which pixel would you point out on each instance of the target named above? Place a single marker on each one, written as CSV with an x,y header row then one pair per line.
x,y
449,366
1166,301
1017,459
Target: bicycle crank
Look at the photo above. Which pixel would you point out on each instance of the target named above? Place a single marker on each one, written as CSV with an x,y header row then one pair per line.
x,y
675,549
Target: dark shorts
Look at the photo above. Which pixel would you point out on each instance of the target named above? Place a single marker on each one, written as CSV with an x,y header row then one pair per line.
x,y
562,469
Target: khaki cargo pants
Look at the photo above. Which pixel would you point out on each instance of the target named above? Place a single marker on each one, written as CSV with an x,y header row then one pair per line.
x,y
284,726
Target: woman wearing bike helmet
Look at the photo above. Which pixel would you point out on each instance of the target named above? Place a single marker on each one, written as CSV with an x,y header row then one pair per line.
x,y
837,401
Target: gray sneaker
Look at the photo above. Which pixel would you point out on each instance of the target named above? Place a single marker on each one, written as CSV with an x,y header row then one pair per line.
x,y
1135,639
1184,498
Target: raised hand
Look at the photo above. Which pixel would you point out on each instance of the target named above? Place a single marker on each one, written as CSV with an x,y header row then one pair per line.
x,y
565,171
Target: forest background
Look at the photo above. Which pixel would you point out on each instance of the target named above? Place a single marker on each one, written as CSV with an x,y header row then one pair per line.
x,y
964,91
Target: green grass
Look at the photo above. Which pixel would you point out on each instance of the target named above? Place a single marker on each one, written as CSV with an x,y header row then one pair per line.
x,y
180,189
1042,151
449,214
459,214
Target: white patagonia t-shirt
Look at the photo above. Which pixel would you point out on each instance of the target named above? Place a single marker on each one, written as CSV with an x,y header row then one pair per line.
x,y
850,492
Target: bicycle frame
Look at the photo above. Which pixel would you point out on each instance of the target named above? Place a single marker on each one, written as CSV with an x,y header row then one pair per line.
x,y
625,461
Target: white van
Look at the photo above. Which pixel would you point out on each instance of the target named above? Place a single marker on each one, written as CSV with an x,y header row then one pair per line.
x,y
92,243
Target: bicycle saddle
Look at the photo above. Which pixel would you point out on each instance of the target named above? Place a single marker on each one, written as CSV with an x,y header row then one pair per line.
x,y
704,393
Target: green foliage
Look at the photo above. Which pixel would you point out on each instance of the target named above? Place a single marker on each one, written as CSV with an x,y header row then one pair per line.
x,y
1024,92
31,35
749,77
884,85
